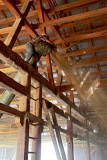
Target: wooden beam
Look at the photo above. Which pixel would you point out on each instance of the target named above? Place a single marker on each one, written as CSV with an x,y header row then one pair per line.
x,y
9,110
16,11
49,69
53,27
10,20
12,36
73,18
10,84
85,21
43,31
10,4
79,4
92,60
65,88
32,14
87,50
70,149
41,15
84,36
72,5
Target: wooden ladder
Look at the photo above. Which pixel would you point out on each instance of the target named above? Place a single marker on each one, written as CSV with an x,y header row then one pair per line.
x,y
36,96
58,145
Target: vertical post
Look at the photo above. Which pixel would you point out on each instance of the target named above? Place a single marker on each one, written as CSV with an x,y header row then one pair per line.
x,y
37,130
49,69
23,131
100,154
88,145
58,134
49,123
70,151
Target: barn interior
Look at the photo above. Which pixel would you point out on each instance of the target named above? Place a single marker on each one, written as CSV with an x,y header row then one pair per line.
x,y
57,111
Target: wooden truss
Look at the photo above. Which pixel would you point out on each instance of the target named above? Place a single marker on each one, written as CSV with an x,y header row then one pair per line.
x,y
63,30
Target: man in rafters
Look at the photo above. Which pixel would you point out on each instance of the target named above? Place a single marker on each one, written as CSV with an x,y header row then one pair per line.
x,y
37,47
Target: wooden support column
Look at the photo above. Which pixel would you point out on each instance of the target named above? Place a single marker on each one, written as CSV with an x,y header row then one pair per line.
x,y
37,129
88,147
23,130
70,150
49,69
72,97
49,123
100,152
58,134
40,15
43,31
88,144
59,78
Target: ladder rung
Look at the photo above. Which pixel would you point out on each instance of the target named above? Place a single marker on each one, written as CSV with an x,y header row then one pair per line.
x,y
32,138
34,99
35,87
34,124
32,152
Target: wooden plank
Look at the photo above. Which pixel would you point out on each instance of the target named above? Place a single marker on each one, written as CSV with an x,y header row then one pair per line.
x,y
85,21
30,29
73,17
49,123
16,28
16,11
84,36
12,36
12,7
6,21
9,110
53,27
70,149
34,119
41,15
10,84
92,60
72,5
10,20
87,50
58,134
60,8
49,69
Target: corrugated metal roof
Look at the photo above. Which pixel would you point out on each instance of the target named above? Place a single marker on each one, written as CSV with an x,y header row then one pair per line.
x,y
99,42
1,16
8,14
94,6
